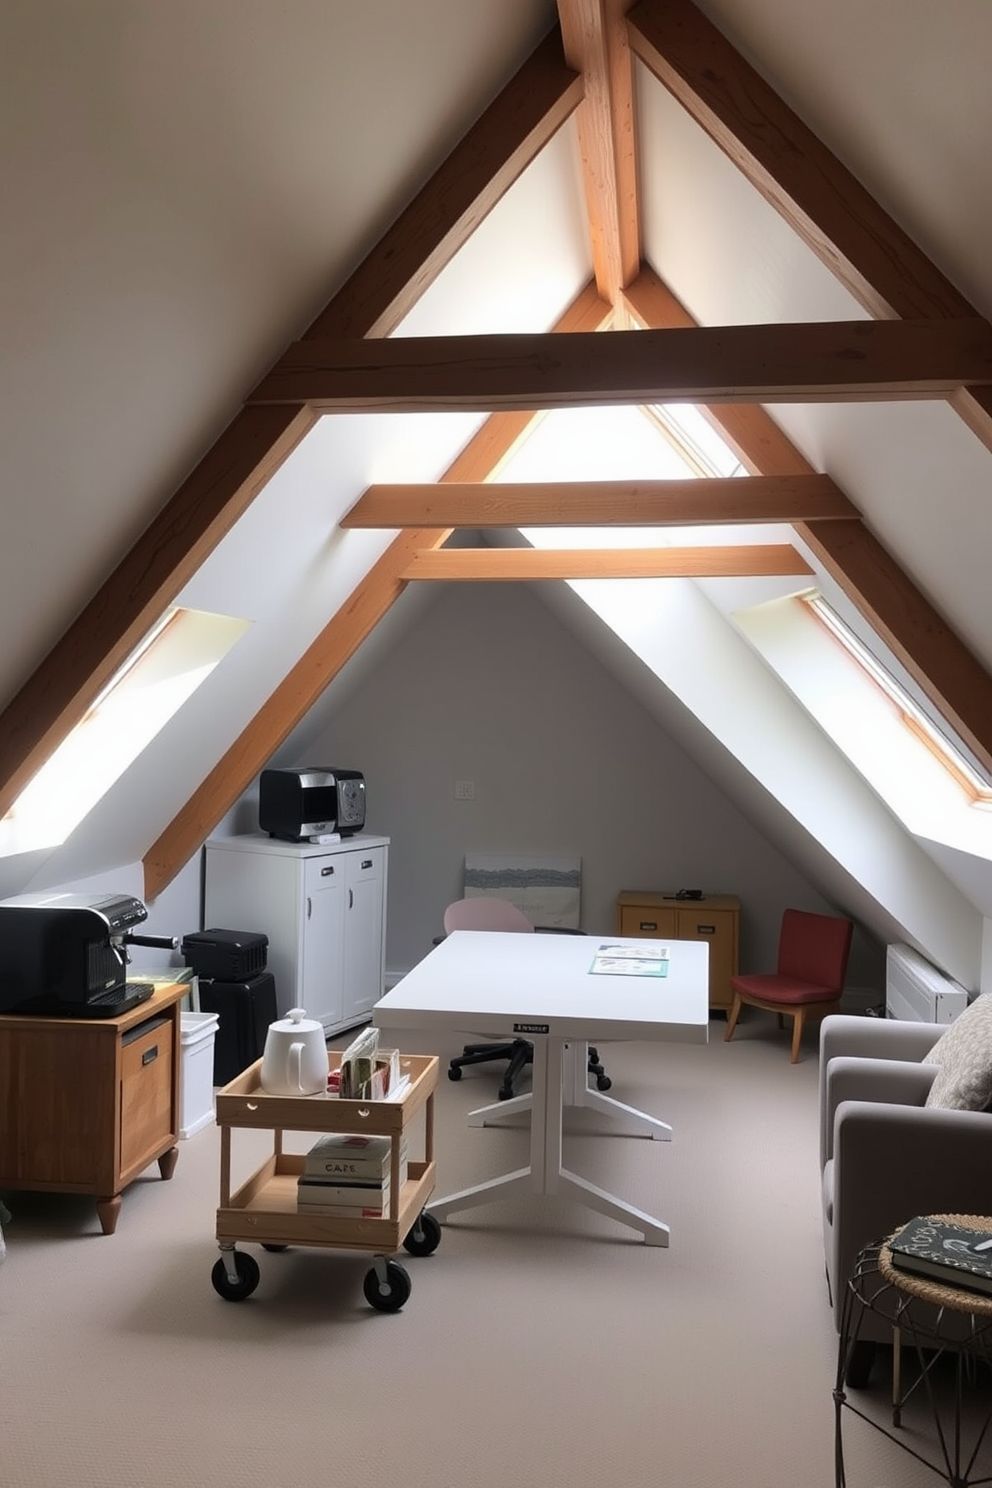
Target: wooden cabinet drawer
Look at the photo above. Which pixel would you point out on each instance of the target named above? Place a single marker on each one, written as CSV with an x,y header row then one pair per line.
x,y
651,922
650,914
146,1109
365,864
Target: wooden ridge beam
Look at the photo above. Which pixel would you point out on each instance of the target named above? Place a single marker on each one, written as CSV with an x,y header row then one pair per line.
x,y
525,565
693,502
830,361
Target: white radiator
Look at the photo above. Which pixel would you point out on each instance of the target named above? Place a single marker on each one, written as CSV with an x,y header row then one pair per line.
x,y
917,991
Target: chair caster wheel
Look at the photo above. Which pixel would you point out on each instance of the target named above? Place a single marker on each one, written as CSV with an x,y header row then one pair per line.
x,y
603,1082
505,1094
454,1072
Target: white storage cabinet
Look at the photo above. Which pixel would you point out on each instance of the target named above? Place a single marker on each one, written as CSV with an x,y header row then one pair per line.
x,y
323,908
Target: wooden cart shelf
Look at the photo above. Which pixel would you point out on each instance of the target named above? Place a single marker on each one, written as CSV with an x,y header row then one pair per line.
x,y
263,1210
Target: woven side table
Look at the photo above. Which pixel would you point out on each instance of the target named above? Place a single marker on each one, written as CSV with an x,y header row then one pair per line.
x,y
931,1319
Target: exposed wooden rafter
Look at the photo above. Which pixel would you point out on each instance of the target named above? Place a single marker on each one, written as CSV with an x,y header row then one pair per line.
x,y
494,152
926,341
934,656
823,361
523,565
594,38
664,503
338,641
820,198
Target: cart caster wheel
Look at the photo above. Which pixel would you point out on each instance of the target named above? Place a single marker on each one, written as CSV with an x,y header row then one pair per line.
x,y
424,1238
603,1082
274,1247
391,1296
248,1277
454,1071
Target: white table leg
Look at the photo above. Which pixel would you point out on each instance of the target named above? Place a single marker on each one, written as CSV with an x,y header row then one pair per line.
x,y
522,1180
578,1092
486,1115
654,1232
555,1084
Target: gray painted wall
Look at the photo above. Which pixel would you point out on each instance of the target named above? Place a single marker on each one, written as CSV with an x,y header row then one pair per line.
x,y
489,686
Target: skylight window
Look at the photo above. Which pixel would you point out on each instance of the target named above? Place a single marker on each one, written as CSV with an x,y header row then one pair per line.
x,y
177,655
700,445
935,735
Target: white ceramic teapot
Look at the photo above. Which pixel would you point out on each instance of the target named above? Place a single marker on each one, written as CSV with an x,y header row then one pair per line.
x,y
294,1060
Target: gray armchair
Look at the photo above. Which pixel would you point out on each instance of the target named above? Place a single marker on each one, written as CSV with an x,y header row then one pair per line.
x,y
884,1156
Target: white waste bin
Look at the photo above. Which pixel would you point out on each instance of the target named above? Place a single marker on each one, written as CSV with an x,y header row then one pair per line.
x,y
196,1076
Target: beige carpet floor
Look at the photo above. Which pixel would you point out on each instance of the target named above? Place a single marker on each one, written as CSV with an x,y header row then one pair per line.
x,y
543,1344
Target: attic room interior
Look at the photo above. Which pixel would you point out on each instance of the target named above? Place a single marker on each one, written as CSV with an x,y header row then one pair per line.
x,y
503,401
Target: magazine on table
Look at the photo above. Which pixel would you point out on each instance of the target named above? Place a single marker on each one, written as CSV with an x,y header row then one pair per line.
x,y
642,958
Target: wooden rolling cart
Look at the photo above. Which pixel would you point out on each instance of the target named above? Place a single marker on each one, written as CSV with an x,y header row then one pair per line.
x,y
264,1210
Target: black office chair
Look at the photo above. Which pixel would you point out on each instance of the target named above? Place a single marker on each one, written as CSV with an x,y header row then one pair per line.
x,y
485,912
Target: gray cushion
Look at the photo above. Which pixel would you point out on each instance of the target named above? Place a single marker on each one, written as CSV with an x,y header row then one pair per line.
x,y
963,1055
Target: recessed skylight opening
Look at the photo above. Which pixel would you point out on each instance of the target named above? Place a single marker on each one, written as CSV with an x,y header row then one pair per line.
x,y
176,656
938,737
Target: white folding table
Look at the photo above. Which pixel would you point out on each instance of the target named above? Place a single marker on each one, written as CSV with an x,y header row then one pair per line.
x,y
541,987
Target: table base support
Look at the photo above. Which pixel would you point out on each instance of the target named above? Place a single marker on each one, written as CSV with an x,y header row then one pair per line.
x,y
576,1091
559,1080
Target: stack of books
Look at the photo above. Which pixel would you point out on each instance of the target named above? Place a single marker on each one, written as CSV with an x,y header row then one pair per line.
x,y
347,1177
949,1253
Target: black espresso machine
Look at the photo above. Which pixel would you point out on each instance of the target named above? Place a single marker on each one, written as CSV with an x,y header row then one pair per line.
x,y
66,955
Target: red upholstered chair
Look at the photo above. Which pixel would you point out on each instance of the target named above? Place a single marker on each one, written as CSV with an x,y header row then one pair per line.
x,y
812,964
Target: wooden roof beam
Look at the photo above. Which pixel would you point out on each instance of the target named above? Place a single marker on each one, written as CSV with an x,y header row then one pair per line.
x,y
663,503
337,642
799,176
525,565
503,141
594,37
822,361
934,656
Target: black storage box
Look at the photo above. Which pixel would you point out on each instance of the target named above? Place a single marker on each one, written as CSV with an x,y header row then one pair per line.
x,y
231,955
245,1009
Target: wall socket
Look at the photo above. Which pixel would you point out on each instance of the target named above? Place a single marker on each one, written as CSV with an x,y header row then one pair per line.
x,y
464,790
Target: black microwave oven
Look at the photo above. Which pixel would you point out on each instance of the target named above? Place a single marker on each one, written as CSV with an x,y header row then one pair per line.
x,y
314,801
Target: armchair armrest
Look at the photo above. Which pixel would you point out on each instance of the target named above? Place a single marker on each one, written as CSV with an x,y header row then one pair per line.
x,y
845,1035
900,1082
875,1038
892,1162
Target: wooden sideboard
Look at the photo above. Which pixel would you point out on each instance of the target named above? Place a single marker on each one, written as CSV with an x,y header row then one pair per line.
x,y
649,914
86,1104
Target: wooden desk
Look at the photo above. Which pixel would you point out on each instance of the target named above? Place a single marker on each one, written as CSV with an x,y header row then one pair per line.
x,y
652,914
87,1103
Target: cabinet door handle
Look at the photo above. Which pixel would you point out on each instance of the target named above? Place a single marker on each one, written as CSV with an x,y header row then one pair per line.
x,y
366,862
325,872
705,929
351,898
150,1054
648,925
309,906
